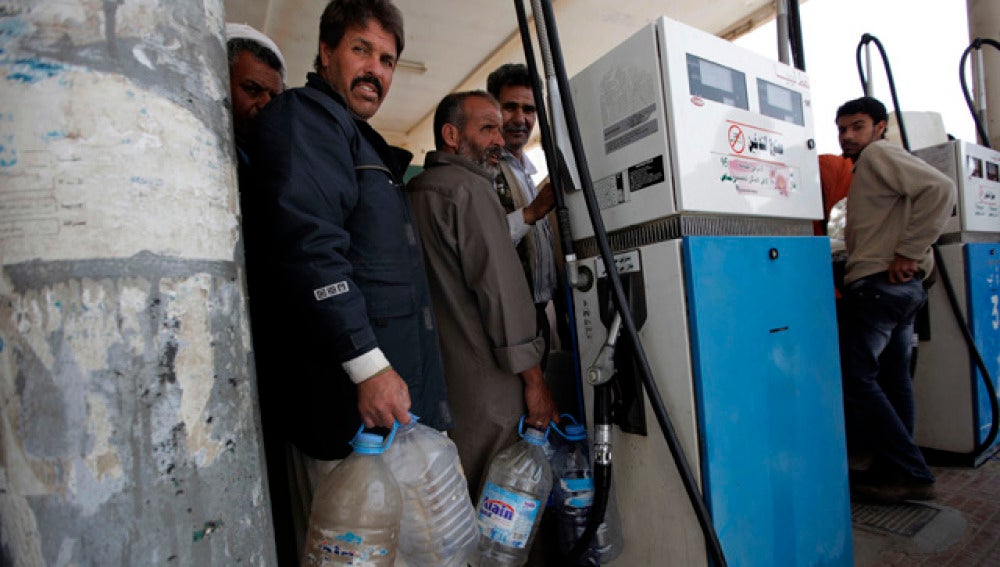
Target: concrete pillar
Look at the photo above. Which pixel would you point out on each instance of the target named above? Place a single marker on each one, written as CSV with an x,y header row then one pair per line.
x,y
128,418
984,22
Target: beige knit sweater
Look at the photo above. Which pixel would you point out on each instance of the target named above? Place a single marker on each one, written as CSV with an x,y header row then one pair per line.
x,y
897,204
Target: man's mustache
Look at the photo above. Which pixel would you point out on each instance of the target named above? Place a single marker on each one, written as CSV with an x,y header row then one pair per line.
x,y
493,152
370,79
515,129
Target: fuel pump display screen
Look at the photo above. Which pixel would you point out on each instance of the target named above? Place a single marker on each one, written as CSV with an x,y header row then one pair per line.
x,y
779,102
716,82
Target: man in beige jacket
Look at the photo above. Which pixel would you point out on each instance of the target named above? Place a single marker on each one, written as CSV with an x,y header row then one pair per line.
x,y
896,208
485,314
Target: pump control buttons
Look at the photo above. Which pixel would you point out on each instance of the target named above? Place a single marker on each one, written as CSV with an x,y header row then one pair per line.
x,y
772,253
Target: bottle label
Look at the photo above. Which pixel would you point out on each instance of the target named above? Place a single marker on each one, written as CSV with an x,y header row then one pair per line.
x,y
577,492
506,517
325,547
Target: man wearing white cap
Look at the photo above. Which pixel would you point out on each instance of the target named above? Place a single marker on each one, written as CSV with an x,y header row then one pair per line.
x,y
256,75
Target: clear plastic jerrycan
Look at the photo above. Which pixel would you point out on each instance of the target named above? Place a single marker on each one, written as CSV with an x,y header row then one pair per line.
x,y
513,499
356,509
439,527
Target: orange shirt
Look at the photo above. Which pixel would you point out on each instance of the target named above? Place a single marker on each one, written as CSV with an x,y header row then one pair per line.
x,y
835,174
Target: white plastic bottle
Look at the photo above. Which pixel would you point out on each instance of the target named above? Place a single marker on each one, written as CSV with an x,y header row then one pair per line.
x,y
439,523
356,510
513,499
573,497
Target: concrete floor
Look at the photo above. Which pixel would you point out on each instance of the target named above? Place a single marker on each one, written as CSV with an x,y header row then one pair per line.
x,y
965,531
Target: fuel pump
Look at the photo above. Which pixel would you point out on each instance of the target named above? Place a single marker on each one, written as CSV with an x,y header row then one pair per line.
x,y
698,267
957,411
602,448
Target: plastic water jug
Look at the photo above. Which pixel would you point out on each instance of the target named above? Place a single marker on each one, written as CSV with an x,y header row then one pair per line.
x,y
356,509
513,499
573,496
439,527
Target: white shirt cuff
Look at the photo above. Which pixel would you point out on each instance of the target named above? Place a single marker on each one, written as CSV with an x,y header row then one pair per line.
x,y
518,228
365,366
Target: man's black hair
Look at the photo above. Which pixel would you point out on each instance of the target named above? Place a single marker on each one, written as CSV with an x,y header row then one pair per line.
x,y
864,105
508,75
342,14
449,111
238,45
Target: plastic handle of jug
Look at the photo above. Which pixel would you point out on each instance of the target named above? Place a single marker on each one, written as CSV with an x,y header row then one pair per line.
x,y
388,438
566,416
391,436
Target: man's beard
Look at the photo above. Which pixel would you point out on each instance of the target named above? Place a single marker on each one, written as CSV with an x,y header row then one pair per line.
x,y
491,169
485,157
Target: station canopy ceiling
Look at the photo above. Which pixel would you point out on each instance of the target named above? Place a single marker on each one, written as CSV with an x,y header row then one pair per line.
x,y
453,45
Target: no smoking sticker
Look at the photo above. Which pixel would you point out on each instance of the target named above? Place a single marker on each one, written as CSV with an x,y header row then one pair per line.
x,y
737,141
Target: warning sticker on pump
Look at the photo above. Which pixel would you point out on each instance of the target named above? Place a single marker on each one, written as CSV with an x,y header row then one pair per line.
x,y
630,129
645,173
757,177
748,140
610,191
626,263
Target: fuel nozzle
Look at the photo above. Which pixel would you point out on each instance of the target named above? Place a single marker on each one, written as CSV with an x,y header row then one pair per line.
x,y
603,367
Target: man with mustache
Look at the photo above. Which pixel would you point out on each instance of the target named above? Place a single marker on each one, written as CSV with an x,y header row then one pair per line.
x,y
482,302
897,206
526,205
343,328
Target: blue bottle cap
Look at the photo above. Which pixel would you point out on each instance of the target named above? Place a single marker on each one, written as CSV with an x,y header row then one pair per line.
x,y
367,444
534,436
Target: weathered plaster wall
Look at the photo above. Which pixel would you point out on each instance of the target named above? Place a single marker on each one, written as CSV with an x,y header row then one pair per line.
x,y
128,421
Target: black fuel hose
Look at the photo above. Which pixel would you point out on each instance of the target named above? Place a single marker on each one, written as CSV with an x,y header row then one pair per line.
x,y
715,552
956,309
795,35
602,478
977,43
869,38
557,168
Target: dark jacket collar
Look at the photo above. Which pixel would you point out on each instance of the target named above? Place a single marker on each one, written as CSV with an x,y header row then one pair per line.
x,y
396,159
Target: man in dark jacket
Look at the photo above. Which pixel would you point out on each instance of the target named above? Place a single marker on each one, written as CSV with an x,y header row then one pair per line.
x,y
341,315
